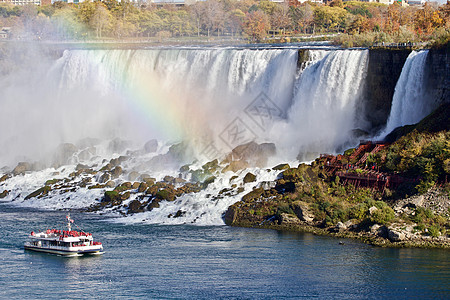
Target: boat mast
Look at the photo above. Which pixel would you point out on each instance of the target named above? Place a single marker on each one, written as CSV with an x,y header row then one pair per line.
x,y
69,220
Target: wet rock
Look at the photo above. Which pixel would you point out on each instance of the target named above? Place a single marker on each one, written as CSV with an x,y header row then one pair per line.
x,y
81,167
110,184
105,178
86,154
116,172
252,153
208,181
135,185
256,193
153,204
379,230
142,187
168,179
211,166
230,216
5,177
236,165
133,175
395,235
302,211
134,206
112,198
178,180
281,167
124,187
179,213
149,180
184,169
21,168
63,154
267,185
43,191
288,219
4,194
165,194
107,167
151,146
118,145
249,177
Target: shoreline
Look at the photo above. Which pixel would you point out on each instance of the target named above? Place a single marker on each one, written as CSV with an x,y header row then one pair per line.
x,y
363,237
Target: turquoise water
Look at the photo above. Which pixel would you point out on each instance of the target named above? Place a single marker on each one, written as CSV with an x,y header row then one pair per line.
x,y
179,262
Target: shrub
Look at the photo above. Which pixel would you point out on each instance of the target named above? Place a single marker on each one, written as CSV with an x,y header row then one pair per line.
x,y
433,230
383,215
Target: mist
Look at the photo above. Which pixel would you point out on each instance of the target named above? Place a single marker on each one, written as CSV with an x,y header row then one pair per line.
x,y
210,98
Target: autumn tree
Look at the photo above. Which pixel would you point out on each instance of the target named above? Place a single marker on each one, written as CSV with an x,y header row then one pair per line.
x,y
101,19
427,19
256,25
303,18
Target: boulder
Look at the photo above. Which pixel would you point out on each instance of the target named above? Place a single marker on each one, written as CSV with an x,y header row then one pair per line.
x,y
63,154
281,167
165,194
253,153
208,181
118,145
105,177
236,165
178,180
116,172
4,194
249,177
153,204
179,213
396,235
151,146
43,191
133,175
134,206
142,187
256,193
230,216
288,219
81,167
379,230
5,177
302,211
168,179
112,197
110,184
372,210
86,154
149,180
21,168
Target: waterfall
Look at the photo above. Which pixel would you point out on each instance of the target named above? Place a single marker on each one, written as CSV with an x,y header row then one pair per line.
x,y
325,102
410,103
193,94
206,96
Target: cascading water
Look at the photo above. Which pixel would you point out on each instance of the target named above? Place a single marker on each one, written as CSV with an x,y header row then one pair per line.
x,y
325,102
410,103
183,94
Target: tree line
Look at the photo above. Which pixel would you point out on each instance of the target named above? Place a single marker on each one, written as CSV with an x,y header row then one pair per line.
x,y
251,19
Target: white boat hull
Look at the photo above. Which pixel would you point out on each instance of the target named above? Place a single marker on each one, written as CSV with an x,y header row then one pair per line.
x,y
66,252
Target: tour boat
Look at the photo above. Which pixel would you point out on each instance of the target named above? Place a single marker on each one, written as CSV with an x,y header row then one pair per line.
x,y
64,242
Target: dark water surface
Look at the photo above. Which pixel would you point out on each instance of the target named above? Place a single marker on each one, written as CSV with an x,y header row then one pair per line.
x,y
172,262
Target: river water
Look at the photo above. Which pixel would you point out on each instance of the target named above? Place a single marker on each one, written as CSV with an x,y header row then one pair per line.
x,y
193,262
